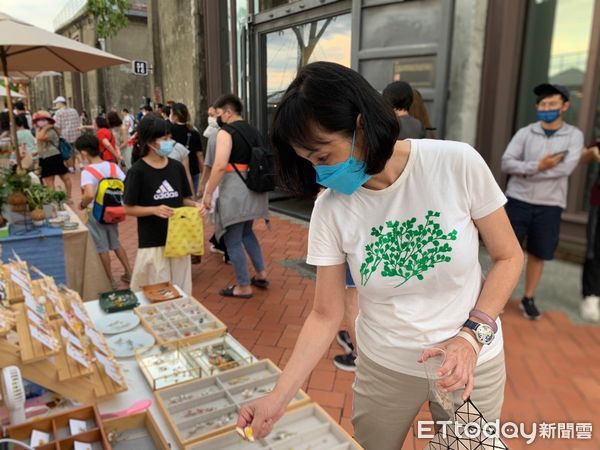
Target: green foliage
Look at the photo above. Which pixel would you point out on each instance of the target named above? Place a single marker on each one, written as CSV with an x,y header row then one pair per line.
x,y
407,250
59,196
15,180
110,15
39,195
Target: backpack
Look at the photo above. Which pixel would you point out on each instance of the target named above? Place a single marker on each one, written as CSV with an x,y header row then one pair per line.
x,y
65,148
108,205
261,170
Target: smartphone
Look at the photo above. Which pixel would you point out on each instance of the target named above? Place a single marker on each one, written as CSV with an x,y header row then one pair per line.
x,y
562,153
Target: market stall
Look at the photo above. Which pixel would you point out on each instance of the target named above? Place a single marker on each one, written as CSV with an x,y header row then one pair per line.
x,y
165,375
47,233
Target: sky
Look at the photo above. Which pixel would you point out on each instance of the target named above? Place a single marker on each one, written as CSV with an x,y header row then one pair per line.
x,y
40,13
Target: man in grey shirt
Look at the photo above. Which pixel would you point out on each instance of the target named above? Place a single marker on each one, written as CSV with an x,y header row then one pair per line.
x,y
400,95
539,160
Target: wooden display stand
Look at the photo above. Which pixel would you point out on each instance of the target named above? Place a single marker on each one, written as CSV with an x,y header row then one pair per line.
x,y
53,368
14,292
58,428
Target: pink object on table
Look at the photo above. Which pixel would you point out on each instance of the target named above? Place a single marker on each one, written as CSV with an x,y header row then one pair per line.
x,y
137,407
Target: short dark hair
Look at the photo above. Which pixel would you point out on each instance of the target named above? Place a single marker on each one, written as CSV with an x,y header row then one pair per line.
x,y
20,106
399,94
329,97
21,120
231,100
541,97
150,128
166,110
113,119
181,112
147,108
89,144
125,110
101,122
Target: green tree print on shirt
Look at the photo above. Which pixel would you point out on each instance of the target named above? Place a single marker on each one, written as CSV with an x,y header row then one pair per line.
x,y
407,250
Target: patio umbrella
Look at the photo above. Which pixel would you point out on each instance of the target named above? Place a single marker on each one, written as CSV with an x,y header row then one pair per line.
x,y
25,48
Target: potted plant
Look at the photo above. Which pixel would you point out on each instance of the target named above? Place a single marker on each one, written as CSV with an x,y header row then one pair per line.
x,y
17,183
35,199
60,197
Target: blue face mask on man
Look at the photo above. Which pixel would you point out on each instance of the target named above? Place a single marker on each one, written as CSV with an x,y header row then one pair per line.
x,y
165,148
548,116
345,177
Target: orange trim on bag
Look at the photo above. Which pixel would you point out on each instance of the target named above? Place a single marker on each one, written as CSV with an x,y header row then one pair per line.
x,y
240,167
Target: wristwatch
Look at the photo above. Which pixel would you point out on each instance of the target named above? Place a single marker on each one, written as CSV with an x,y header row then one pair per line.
x,y
483,333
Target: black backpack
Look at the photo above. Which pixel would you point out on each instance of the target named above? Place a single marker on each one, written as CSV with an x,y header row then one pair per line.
x,y
261,172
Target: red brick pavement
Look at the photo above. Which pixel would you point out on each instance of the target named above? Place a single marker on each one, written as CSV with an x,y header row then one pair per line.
x,y
553,365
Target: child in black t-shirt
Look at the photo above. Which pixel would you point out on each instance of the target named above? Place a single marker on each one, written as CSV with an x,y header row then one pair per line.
x,y
155,185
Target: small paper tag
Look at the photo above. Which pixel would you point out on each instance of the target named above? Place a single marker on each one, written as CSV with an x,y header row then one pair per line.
x,y
66,334
46,340
81,446
77,426
41,324
80,313
39,438
97,340
109,368
34,306
19,279
77,355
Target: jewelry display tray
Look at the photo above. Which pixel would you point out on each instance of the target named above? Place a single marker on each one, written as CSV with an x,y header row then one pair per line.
x,y
209,406
138,431
181,319
57,427
304,428
168,364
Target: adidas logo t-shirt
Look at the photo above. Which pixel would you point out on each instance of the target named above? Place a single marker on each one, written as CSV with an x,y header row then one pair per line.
x,y
147,186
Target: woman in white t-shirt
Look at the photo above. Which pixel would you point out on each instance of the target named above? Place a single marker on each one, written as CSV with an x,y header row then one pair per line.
x,y
407,217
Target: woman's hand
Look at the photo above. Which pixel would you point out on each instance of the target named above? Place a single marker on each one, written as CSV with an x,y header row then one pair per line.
x,y
163,211
207,201
459,366
262,414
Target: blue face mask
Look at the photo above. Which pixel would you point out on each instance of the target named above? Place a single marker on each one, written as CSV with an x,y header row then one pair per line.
x,y
165,148
548,116
345,177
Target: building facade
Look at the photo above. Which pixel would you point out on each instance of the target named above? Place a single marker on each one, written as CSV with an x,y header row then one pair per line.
x,y
101,90
474,61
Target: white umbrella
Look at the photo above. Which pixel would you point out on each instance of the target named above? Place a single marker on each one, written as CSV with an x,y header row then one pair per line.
x,y
25,48
13,94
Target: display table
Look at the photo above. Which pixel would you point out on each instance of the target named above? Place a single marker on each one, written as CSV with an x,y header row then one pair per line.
x,y
69,256
138,388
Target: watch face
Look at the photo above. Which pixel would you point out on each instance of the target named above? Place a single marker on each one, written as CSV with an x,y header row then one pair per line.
x,y
484,334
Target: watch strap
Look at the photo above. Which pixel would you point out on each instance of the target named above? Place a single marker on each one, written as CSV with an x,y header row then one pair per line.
x,y
471,340
485,318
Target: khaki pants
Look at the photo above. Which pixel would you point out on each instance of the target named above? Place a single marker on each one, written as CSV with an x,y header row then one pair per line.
x,y
151,267
387,402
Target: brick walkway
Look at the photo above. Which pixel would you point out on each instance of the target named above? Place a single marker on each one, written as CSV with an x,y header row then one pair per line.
x,y
553,366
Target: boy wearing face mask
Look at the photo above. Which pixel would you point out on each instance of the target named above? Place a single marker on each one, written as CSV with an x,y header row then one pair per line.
x,y
539,160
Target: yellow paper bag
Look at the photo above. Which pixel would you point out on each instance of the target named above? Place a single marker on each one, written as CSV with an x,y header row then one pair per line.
x,y
185,235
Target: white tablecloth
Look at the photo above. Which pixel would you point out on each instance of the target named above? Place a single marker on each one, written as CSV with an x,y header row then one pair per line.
x,y
137,385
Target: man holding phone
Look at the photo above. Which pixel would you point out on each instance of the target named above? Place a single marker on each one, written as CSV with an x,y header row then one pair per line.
x,y
539,159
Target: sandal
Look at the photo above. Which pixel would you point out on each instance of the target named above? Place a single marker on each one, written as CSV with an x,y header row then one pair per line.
x,y
260,283
228,292
196,259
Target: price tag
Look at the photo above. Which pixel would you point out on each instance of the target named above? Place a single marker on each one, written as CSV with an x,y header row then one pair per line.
x,y
34,306
80,313
70,337
97,340
78,356
18,277
40,336
41,324
109,368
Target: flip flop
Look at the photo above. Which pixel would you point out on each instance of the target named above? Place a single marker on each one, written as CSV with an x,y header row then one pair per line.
x,y
263,284
228,292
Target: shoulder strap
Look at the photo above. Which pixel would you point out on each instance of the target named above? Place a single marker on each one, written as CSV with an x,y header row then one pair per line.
x,y
242,134
189,136
113,170
95,173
